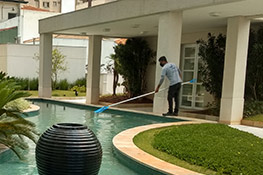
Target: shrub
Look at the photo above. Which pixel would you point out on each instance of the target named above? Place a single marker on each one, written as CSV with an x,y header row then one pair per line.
x,y
26,83
18,105
63,85
253,108
80,82
79,88
33,84
22,82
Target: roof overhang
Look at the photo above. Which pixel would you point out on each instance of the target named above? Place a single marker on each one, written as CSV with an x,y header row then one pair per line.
x,y
128,18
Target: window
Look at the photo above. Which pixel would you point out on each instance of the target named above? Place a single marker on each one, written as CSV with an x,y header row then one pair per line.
x,y
46,4
11,15
55,3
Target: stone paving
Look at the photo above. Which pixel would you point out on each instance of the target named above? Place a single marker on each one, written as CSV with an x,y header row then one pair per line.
x,y
253,130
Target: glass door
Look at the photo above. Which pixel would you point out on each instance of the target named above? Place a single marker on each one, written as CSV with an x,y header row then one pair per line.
x,y
192,95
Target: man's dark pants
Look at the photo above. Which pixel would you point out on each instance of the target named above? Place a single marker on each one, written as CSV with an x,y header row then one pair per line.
x,y
173,94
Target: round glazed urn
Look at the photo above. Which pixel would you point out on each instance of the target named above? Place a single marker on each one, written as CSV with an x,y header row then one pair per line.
x,y
68,149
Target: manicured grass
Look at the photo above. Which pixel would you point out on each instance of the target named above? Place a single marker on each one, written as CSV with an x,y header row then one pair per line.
x,y
256,118
214,147
58,93
144,141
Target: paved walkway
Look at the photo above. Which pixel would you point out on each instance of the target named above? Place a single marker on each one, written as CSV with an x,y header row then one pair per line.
x,y
253,130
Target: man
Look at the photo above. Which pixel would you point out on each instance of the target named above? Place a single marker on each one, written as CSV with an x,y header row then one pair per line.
x,y
172,72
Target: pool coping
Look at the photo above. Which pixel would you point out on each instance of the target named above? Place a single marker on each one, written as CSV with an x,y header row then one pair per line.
x,y
33,108
123,142
96,106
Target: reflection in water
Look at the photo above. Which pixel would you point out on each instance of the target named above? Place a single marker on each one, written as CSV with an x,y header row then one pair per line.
x,y
104,125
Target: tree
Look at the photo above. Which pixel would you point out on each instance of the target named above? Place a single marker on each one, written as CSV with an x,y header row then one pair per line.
x,y
254,75
212,54
12,125
59,65
131,61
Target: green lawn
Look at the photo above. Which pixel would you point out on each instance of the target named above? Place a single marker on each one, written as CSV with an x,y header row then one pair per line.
x,y
58,93
256,118
205,148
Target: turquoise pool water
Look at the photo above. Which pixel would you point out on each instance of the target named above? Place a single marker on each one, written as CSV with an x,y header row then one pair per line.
x,y
105,126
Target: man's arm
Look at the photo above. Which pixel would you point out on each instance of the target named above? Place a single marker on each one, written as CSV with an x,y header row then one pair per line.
x,y
180,73
161,81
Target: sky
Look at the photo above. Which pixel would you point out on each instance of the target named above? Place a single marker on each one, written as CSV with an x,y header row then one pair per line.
x,y
67,6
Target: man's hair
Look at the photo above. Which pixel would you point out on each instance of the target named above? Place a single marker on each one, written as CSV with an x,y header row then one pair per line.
x,y
162,58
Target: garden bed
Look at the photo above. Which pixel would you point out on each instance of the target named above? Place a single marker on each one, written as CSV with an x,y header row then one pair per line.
x,y
205,148
256,121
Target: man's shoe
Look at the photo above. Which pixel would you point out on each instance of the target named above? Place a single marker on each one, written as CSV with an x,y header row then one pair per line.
x,y
168,114
175,114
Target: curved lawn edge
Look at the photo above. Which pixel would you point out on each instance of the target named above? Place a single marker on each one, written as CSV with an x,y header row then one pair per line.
x,y
216,147
123,142
143,141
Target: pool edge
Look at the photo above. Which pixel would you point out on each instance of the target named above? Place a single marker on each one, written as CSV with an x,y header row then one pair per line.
x,y
123,143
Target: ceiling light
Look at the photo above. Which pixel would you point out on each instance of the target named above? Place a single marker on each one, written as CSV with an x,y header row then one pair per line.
x,y
135,26
106,30
258,19
143,32
215,14
83,33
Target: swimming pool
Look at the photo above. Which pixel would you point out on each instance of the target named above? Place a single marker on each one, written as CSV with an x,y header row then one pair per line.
x,y
104,125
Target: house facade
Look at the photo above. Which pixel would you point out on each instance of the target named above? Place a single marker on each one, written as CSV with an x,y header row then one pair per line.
x,y
81,4
172,27
9,10
24,26
50,5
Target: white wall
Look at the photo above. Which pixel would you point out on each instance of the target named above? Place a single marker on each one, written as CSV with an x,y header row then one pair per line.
x,y
29,23
3,61
106,84
107,48
20,62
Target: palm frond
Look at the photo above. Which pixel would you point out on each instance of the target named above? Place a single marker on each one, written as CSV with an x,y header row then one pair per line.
x,y
13,127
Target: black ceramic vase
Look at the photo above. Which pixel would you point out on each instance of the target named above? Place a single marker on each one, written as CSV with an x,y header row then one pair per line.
x,y
68,149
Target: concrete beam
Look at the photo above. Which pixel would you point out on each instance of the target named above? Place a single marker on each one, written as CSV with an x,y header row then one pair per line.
x,y
119,10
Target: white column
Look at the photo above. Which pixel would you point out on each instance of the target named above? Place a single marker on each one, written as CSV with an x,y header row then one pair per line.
x,y
93,81
45,65
232,101
169,45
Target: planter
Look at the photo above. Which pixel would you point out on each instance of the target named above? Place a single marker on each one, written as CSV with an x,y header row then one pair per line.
x,y
68,149
252,123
